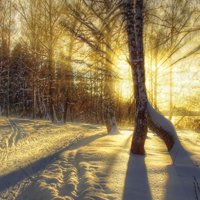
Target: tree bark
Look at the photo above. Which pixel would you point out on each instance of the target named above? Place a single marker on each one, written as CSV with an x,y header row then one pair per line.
x,y
134,19
133,13
160,125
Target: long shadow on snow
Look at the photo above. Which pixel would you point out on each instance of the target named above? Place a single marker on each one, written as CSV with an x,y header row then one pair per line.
x,y
183,167
14,177
110,164
136,184
136,179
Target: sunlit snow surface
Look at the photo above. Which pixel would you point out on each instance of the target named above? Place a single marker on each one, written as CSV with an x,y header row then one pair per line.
x,y
44,161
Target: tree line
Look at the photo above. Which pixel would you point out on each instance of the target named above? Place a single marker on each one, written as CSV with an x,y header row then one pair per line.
x,y
57,58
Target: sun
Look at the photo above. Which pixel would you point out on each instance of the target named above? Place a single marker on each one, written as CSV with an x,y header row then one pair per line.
x,y
123,84
124,89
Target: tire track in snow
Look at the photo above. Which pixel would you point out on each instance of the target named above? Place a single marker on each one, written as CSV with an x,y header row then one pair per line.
x,y
13,192
75,173
82,178
71,176
16,135
68,177
11,140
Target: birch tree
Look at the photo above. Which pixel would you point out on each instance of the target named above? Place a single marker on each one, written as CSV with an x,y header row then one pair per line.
x,y
133,12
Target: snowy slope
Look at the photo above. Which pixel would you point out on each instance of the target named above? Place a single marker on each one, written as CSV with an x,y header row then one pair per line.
x,y
160,120
83,162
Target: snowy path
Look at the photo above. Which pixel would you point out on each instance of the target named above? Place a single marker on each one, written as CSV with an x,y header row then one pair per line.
x,y
84,163
27,147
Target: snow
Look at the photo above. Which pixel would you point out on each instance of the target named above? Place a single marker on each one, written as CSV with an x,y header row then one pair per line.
x,y
114,128
160,120
81,161
179,154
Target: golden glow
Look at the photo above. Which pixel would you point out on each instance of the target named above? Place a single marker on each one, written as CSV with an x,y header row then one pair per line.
x,y
185,83
123,84
124,89
181,80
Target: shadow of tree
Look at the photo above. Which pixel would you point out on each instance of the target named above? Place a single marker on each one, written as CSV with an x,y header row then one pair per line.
x,y
136,183
29,171
182,175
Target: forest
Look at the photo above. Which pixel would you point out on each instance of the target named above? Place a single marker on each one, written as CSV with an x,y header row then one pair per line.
x,y
70,69
68,60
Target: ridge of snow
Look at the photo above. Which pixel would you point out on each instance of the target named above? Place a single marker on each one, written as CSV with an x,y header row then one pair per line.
x,y
161,121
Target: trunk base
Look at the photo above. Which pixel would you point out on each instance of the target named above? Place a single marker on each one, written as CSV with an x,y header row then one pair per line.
x,y
138,148
111,126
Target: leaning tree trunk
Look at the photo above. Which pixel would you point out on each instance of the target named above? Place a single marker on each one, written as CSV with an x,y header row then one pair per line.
x,y
145,115
160,125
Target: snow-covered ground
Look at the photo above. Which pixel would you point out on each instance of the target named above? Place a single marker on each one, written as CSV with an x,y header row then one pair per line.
x,y
44,161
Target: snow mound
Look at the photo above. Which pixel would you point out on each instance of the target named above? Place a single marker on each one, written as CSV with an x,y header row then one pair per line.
x,y
161,121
